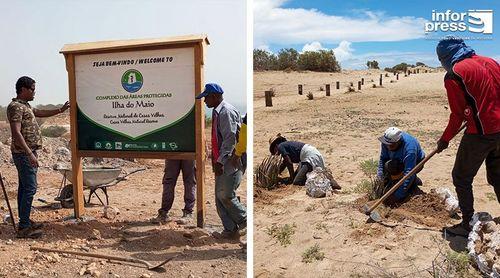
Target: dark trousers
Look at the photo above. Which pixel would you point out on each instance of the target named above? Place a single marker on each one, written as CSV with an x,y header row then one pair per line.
x,y
473,150
300,173
27,187
172,170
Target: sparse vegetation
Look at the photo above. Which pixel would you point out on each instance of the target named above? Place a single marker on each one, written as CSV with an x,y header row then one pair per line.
x,y
310,96
313,253
374,187
282,234
452,264
310,207
53,131
372,64
290,60
350,89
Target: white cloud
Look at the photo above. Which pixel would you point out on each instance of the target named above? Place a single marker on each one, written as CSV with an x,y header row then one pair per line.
x,y
343,51
276,25
264,47
314,46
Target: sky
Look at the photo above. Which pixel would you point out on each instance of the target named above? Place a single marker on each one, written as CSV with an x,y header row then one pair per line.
x,y
33,32
390,32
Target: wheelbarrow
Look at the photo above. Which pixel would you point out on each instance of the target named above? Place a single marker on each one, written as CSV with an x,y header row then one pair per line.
x,y
93,179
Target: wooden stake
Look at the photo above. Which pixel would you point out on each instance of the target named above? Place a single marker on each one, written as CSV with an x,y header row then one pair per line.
x,y
269,98
362,81
300,89
327,88
359,85
337,85
380,80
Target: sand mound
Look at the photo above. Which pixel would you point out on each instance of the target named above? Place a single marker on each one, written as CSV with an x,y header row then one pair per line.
x,y
426,209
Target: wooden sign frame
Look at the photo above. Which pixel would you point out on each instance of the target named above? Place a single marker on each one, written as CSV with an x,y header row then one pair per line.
x,y
198,43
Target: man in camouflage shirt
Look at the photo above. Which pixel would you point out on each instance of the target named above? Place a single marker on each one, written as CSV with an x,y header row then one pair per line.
x,y
26,141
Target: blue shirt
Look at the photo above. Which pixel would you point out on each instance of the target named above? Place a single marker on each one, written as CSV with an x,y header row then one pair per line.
x,y
292,149
410,153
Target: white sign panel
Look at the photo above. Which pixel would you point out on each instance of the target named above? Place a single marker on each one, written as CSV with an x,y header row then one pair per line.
x,y
136,93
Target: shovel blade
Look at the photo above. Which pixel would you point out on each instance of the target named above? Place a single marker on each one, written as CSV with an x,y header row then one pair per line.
x,y
375,216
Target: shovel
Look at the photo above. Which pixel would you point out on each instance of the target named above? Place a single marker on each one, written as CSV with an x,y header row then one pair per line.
x,y
8,204
374,215
101,256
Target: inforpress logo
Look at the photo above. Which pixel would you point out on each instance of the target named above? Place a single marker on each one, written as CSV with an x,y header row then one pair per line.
x,y
132,80
475,21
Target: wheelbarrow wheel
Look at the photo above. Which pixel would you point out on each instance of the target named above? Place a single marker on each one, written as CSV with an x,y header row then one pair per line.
x,y
66,196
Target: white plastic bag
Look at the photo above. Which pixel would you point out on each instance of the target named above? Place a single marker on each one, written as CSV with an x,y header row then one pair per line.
x,y
318,185
450,201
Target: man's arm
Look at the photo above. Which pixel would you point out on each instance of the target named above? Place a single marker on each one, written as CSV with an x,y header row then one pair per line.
x,y
228,123
384,156
289,165
17,137
48,113
456,100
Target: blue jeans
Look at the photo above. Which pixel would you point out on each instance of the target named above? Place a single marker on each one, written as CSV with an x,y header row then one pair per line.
x,y
232,213
27,187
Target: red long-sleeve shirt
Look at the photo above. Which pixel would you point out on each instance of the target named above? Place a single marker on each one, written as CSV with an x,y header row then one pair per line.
x,y
474,96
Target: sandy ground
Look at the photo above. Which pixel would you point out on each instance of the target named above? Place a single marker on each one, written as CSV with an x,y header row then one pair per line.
x,y
130,234
344,127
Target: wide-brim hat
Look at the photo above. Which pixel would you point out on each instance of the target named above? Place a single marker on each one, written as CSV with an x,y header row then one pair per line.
x,y
273,141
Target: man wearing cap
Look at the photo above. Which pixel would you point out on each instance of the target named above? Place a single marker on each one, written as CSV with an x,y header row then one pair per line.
x,y
26,142
226,123
473,90
306,155
400,153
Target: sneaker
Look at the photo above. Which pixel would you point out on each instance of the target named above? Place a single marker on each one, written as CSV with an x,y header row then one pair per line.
x,y
36,225
460,229
162,218
187,217
29,232
226,235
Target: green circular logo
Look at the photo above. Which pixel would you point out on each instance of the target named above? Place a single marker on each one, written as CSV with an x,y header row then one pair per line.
x,y
132,80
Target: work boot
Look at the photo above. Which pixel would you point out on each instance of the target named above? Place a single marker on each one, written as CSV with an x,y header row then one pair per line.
x,y
231,235
462,229
187,217
162,218
36,225
29,232
242,228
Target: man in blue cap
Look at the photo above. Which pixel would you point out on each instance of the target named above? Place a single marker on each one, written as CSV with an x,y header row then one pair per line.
x,y
472,86
226,122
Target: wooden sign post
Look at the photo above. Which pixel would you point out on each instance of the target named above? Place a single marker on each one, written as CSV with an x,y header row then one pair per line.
x,y
136,99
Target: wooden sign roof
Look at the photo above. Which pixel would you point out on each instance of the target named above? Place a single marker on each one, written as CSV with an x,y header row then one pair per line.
x,y
127,44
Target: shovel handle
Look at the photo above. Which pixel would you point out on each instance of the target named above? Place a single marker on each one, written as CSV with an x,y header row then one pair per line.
x,y
93,255
8,204
400,182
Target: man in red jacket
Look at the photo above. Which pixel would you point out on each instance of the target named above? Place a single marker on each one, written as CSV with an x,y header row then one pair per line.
x,y
473,89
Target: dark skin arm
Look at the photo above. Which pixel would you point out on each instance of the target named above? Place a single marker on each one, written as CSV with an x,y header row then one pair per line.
x,y
15,127
48,113
287,162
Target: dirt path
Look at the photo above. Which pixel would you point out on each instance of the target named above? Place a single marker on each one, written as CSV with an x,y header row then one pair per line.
x,y
130,234
344,127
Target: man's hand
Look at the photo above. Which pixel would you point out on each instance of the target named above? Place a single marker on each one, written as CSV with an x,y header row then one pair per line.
x,y
235,161
218,169
441,146
64,107
33,160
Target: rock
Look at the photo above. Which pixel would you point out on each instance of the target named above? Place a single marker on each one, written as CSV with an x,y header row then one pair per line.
x,y
9,242
62,151
111,212
145,275
82,271
96,235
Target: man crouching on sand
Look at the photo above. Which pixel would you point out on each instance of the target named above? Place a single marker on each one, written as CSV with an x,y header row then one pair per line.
x,y
306,155
26,141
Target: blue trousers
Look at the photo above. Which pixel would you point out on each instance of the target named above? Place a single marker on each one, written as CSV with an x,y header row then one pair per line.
x,y
232,213
26,189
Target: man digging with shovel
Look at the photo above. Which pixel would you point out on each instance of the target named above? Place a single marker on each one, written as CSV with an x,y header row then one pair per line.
x,y
473,90
400,153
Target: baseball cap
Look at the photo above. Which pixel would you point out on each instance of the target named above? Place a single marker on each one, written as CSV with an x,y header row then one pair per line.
x,y
391,135
210,88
